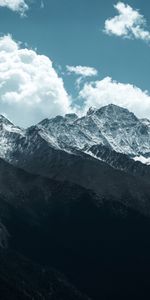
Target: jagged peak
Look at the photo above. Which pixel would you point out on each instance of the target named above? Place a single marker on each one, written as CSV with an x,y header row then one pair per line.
x,y
4,120
71,116
8,126
145,122
113,108
91,110
110,109
48,120
116,111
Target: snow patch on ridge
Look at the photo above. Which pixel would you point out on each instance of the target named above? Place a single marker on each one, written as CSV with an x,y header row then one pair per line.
x,y
142,159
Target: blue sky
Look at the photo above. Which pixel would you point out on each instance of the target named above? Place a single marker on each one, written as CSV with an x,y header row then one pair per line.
x,y
71,32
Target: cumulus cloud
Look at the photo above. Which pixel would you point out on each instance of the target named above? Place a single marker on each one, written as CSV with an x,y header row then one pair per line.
x,y
108,91
128,23
19,6
30,88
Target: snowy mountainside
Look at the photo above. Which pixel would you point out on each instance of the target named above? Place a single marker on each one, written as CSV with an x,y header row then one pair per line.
x,y
9,136
111,127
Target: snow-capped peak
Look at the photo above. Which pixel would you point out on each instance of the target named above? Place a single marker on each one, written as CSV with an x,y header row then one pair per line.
x,y
4,120
111,126
9,134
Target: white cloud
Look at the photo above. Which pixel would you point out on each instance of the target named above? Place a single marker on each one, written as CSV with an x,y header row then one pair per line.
x,y
108,91
30,88
20,6
82,71
128,23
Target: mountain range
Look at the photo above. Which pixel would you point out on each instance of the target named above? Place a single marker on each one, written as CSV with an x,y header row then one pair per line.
x,y
75,200
111,127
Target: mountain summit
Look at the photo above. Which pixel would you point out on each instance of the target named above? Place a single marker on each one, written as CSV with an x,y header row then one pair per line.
x,y
111,126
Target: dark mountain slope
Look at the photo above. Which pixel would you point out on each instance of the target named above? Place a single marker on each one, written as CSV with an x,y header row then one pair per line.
x,y
21,279
90,173
121,161
100,244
